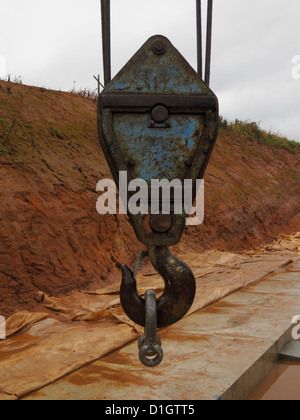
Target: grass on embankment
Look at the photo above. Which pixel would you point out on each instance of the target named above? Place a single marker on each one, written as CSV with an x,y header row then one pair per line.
x,y
253,130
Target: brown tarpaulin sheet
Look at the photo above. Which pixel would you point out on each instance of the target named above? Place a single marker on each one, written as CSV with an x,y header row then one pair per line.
x,y
38,349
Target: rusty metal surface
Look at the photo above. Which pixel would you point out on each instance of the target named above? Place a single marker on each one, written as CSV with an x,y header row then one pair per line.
x,y
179,294
106,41
178,146
208,41
179,104
220,352
158,121
199,38
150,351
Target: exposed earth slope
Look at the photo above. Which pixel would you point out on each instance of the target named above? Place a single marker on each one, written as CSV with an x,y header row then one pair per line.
x,y
51,237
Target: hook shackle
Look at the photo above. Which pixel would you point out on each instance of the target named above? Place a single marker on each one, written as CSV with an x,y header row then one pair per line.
x,y
178,296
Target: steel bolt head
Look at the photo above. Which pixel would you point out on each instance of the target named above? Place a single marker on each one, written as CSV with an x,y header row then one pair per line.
x,y
161,223
159,48
130,163
160,114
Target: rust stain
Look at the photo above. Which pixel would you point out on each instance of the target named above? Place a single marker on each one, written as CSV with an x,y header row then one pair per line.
x,y
96,374
16,345
212,310
219,307
184,337
239,320
224,304
116,358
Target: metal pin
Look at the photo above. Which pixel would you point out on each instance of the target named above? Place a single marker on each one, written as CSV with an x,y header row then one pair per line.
x,y
208,41
151,354
105,14
199,38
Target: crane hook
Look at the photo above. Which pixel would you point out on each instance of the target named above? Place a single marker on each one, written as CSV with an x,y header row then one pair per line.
x,y
178,296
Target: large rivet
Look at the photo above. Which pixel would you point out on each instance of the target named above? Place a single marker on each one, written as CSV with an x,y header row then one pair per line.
x,y
131,163
159,48
161,223
159,114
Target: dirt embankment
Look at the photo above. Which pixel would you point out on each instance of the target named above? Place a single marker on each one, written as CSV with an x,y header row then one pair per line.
x,y
52,238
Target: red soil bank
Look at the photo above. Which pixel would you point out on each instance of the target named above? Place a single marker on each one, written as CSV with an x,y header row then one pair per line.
x,y
51,237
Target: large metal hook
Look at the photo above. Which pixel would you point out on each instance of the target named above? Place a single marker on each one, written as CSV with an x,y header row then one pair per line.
x,y
179,294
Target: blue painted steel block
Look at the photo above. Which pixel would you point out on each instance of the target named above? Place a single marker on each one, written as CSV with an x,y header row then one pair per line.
x,y
157,119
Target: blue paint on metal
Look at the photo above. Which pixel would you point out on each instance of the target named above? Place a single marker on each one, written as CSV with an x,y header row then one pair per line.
x,y
157,153
146,74
191,144
169,145
144,83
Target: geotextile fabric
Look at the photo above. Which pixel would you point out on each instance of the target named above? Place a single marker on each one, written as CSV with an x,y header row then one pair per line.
x,y
39,349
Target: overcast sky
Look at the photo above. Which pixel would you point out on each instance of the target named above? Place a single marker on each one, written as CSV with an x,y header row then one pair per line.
x,y
54,43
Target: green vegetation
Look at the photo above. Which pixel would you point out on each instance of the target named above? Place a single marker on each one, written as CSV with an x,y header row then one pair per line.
x,y
56,133
296,174
253,130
